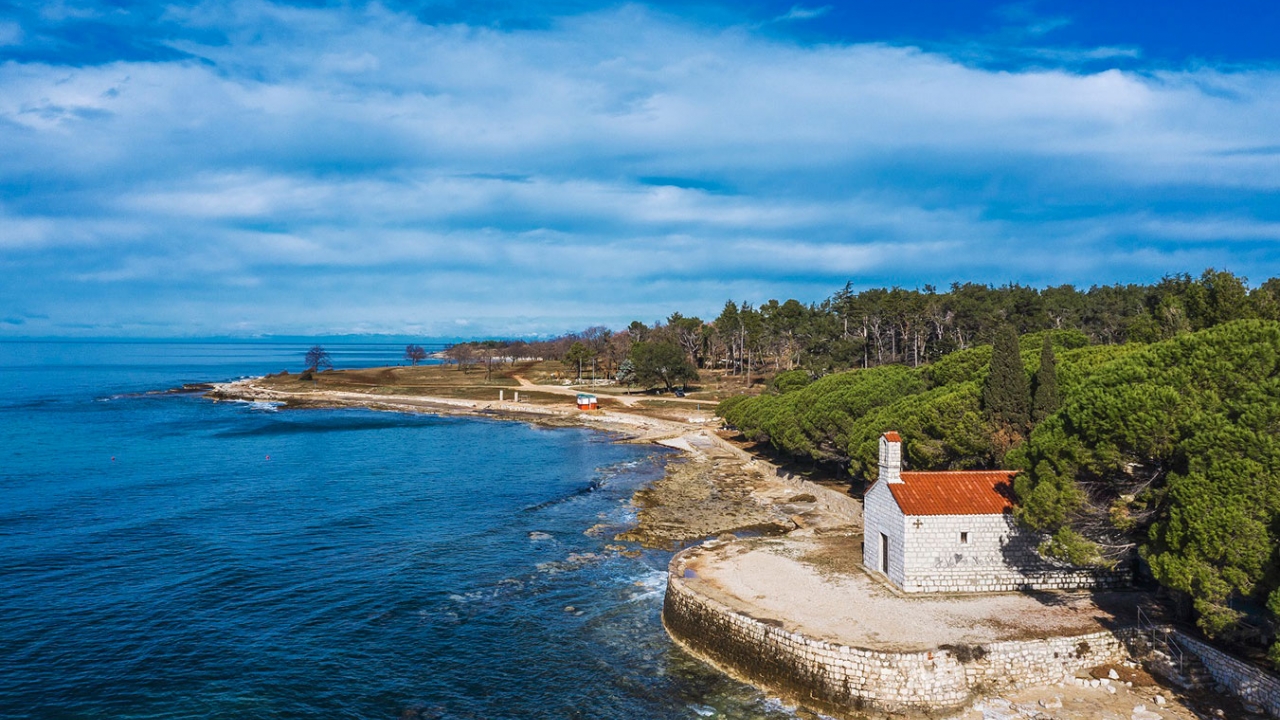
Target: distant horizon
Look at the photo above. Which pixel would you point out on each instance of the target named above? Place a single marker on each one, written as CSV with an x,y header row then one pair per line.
x,y
370,339
392,337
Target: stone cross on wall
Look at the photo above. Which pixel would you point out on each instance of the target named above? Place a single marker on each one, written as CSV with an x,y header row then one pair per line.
x,y
919,524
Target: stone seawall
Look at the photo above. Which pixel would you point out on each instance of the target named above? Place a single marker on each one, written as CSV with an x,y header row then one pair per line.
x,y
848,681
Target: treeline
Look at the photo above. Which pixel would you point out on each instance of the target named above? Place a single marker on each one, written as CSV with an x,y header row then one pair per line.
x,y
839,418
1167,450
881,326
648,357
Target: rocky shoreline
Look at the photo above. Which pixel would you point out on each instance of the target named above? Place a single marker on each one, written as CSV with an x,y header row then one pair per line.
x,y
714,489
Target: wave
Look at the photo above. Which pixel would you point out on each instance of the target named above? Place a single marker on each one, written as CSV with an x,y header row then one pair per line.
x,y
266,406
591,487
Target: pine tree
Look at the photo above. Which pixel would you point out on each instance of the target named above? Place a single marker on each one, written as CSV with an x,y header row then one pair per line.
x,y
1046,401
1007,395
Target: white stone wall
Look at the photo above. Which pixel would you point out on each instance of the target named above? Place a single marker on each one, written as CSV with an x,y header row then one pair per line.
x,y
881,514
934,544
845,680
998,557
1251,684
926,554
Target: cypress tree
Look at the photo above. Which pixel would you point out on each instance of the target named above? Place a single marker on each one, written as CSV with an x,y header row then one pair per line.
x,y
1007,395
1046,401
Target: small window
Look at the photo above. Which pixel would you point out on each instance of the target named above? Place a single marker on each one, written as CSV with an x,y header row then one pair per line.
x,y
964,538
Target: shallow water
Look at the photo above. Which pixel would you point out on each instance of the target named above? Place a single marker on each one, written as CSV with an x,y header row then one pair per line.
x,y
166,556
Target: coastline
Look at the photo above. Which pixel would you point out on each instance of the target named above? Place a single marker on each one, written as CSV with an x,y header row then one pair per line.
x,y
711,488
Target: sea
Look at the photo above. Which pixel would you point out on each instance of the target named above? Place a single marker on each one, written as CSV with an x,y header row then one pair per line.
x,y
166,556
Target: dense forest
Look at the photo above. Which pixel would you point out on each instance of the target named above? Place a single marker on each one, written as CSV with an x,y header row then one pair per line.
x,y
882,326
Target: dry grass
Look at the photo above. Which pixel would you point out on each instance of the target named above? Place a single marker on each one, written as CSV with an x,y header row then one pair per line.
x,y
836,554
712,385
424,376
426,380
447,381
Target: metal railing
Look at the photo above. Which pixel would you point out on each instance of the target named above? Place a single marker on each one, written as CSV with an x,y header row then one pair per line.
x,y
1160,640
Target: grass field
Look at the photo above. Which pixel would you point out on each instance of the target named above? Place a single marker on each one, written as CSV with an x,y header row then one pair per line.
x,y
474,383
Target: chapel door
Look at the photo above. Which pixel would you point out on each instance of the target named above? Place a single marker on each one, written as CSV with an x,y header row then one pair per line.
x,y
884,553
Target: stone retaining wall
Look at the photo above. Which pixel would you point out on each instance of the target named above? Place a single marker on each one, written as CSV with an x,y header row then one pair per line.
x,y
1251,684
1014,579
841,679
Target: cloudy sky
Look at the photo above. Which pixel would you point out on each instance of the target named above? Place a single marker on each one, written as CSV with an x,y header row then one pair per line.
x,y
250,167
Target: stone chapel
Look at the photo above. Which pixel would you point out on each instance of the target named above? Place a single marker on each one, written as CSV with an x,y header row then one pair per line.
x,y
954,531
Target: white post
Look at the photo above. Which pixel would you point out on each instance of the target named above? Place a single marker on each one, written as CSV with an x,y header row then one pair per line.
x,y
517,396
501,394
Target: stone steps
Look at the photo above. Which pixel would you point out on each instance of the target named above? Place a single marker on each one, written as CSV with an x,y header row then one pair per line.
x,y
1192,675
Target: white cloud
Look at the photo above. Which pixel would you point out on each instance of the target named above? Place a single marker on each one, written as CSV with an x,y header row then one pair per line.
x,y
10,33
803,13
366,152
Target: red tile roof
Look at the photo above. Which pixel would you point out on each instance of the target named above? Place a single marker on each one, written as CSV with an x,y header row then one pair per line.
x,y
892,436
956,492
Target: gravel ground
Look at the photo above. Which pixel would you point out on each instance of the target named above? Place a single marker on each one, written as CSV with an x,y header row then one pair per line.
x,y
803,583
1074,703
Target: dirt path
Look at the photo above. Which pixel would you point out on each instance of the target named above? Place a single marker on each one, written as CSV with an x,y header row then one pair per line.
x,y
627,400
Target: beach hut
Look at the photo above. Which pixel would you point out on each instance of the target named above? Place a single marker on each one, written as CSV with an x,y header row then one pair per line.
x,y
587,401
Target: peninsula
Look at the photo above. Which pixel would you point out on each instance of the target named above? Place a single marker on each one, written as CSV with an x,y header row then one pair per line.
x,y
796,578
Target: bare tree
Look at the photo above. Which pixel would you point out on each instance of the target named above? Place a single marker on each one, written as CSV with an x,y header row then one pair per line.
x,y
414,354
317,357
616,350
463,354
490,354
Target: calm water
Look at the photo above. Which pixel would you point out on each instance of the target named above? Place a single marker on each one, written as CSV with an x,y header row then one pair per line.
x,y
166,556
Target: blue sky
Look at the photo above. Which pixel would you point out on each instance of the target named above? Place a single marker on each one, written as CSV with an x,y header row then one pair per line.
x,y
254,167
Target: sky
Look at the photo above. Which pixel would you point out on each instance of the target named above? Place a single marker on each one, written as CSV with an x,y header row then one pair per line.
x,y
251,168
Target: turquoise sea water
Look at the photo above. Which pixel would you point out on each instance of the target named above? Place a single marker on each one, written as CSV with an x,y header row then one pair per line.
x,y
164,556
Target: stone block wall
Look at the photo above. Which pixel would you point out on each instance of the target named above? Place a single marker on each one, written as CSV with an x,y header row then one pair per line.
x,y
882,515
845,680
994,556
1251,684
